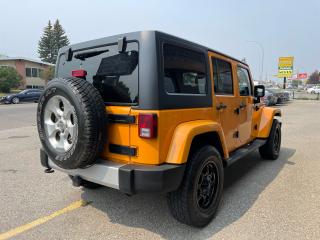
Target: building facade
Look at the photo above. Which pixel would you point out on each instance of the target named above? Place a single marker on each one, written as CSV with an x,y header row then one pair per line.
x,y
30,70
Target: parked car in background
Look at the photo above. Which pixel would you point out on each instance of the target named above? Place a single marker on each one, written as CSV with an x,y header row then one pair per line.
x,y
281,98
313,90
286,95
269,99
28,95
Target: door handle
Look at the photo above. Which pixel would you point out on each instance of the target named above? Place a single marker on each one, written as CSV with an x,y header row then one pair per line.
x,y
221,106
241,106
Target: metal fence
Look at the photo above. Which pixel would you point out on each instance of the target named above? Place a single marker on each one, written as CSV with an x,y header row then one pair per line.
x,y
302,95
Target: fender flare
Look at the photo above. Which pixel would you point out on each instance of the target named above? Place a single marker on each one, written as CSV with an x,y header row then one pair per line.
x,y
266,120
185,133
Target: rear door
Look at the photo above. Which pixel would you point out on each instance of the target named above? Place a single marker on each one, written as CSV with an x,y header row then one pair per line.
x,y
27,96
225,99
33,95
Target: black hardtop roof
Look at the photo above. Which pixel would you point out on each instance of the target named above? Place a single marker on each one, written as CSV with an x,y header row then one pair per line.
x,y
139,34
200,46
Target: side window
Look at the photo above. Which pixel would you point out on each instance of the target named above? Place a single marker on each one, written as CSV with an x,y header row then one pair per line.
x,y
28,72
244,81
222,77
34,72
184,71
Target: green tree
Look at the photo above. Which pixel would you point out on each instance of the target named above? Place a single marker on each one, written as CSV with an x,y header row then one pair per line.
x,y
60,38
52,39
9,78
46,45
48,73
314,78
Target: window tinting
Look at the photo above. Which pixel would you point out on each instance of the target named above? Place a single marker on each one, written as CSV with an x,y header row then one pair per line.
x,y
40,72
184,71
114,74
244,82
28,72
222,77
34,72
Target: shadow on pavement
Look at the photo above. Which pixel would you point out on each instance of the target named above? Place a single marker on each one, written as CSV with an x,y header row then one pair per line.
x,y
244,182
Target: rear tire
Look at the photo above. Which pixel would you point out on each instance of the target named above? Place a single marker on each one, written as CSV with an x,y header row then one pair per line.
x,y
271,149
197,199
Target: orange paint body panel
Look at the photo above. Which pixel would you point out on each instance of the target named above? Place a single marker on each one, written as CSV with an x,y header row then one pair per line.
x,y
177,127
117,133
154,151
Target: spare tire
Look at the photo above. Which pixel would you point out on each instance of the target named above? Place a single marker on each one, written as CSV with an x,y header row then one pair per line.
x,y
71,120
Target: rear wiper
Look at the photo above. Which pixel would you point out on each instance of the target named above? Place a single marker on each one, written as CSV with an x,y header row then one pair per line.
x,y
83,56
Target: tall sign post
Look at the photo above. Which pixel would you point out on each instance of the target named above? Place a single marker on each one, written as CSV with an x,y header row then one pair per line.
x,y
285,69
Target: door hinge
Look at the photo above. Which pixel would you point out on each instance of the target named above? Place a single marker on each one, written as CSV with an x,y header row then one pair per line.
x,y
221,106
236,134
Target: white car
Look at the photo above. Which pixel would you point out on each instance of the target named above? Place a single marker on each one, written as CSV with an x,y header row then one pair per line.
x,y
315,89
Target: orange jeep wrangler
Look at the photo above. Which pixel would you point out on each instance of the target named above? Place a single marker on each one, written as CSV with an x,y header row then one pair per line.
x,y
150,112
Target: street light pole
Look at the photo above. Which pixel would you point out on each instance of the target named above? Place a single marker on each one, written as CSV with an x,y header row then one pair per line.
x,y
262,56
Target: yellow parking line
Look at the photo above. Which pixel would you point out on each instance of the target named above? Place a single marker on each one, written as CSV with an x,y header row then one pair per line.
x,y
39,221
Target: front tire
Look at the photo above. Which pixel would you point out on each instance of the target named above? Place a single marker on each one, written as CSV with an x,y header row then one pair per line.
x,y
15,100
271,149
196,201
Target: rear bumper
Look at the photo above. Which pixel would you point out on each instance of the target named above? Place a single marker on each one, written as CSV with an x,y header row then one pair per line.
x,y
128,178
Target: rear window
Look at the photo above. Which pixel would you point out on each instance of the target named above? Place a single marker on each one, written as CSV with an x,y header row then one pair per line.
x,y
184,71
114,74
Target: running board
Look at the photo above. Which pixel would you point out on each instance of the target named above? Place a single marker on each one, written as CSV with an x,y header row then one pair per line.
x,y
245,150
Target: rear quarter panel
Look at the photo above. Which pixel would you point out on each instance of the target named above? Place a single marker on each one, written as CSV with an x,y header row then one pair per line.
x,y
166,147
184,134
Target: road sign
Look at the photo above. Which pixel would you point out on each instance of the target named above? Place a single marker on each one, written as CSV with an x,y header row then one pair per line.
x,y
285,67
302,75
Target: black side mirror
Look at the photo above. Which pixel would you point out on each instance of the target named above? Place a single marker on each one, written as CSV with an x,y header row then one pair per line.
x,y
259,91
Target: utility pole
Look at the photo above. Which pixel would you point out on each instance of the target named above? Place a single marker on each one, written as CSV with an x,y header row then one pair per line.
x,y
262,56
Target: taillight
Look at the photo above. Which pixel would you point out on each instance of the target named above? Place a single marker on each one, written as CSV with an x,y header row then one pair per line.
x,y
79,73
147,125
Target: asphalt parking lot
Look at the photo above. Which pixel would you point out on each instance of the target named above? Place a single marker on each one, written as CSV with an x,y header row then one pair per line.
x,y
262,199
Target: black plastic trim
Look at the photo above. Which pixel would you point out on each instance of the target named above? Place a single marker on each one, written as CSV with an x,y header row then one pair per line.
x,y
152,95
124,150
244,151
146,179
121,118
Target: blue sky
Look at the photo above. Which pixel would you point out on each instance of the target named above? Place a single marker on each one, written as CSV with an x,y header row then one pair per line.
x,y
284,28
